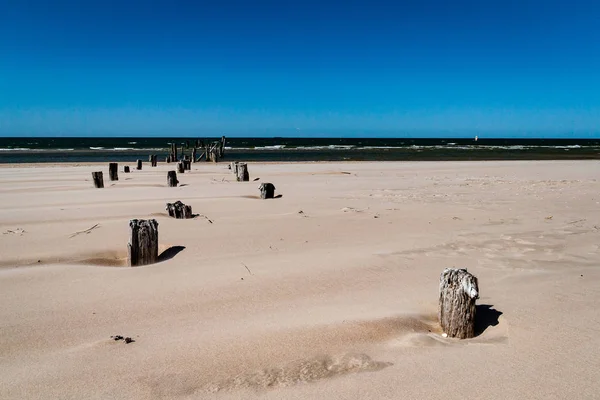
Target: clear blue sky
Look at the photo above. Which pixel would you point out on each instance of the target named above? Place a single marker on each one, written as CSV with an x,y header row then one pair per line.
x,y
304,67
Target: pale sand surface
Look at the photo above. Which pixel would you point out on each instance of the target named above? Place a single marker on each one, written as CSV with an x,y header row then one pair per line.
x,y
340,301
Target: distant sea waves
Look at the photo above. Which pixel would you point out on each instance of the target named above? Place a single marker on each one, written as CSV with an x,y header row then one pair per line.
x,y
39,150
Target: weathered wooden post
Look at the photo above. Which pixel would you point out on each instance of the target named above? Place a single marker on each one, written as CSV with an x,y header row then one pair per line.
x,y
139,164
126,169
142,248
113,173
234,167
98,179
214,153
179,210
187,165
267,190
459,291
180,167
242,172
168,159
207,152
172,179
222,147
194,155
153,160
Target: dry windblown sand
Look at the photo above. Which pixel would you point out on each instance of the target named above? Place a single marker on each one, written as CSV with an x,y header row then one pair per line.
x,y
329,292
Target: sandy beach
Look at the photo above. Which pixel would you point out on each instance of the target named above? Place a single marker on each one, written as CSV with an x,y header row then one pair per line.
x,y
328,292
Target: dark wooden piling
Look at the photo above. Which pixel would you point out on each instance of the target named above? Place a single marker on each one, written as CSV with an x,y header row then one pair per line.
x,y
267,190
194,151
153,159
187,165
113,171
179,210
180,167
172,179
173,153
126,169
142,248
459,291
139,165
98,179
242,172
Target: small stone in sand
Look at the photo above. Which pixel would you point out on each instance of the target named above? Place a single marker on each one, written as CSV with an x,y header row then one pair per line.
x,y
129,340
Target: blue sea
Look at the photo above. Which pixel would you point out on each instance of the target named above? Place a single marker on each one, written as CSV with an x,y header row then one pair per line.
x,y
73,149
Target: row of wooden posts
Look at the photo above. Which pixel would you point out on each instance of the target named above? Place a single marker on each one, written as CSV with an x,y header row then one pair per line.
x,y
240,170
458,292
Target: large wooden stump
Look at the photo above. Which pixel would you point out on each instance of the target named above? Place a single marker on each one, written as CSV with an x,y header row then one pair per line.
x,y
142,248
180,167
458,293
172,179
113,173
126,169
179,210
267,190
98,179
139,164
242,172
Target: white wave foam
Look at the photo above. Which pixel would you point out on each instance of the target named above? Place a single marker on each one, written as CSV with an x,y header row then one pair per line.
x,y
274,147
